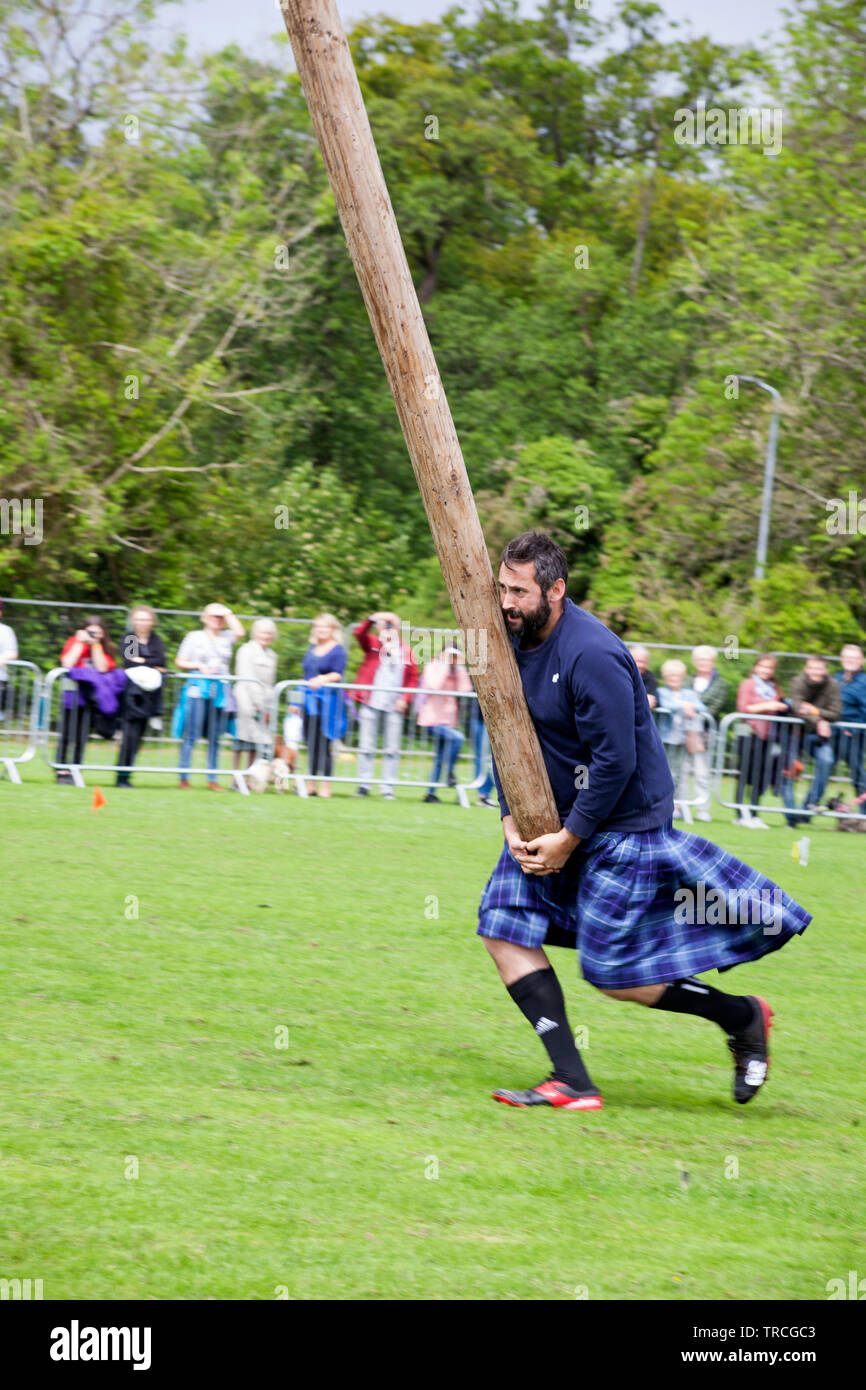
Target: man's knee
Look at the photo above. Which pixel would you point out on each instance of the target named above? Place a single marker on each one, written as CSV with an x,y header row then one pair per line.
x,y
640,994
514,961
493,945
501,950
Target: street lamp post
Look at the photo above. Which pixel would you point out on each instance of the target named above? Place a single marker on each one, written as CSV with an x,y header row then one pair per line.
x,y
769,471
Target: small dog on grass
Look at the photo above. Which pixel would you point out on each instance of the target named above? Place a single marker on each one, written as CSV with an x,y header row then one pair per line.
x,y
853,821
276,770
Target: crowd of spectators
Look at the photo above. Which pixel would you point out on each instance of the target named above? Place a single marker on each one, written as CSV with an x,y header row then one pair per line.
x,y
810,722
118,692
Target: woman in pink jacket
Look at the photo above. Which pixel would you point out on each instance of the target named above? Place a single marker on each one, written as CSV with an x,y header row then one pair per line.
x,y
758,746
440,712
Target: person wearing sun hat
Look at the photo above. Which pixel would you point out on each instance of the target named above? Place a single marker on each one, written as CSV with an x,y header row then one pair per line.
x,y
207,651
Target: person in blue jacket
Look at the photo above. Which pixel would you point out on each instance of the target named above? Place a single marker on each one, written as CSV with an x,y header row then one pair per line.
x,y
647,907
849,743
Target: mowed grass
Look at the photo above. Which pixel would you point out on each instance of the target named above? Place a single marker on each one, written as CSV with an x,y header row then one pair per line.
x,y
365,1159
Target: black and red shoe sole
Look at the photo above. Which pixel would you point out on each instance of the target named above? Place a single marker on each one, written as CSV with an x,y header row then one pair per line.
x,y
579,1103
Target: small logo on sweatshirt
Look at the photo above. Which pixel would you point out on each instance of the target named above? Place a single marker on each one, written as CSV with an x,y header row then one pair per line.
x,y
555,678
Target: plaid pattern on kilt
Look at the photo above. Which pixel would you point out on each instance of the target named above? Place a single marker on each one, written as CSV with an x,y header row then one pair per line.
x,y
620,903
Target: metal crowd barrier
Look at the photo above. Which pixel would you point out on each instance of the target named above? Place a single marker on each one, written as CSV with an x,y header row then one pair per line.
x,y
736,767
368,751
70,733
20,700
791,762
684,764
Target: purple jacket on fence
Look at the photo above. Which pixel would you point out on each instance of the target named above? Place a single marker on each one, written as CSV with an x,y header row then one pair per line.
x,y
107,687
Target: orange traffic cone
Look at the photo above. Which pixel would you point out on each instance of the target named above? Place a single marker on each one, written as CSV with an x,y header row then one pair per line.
x,y
98,799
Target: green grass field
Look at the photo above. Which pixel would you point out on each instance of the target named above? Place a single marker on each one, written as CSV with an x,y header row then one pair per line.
x,y
365,1158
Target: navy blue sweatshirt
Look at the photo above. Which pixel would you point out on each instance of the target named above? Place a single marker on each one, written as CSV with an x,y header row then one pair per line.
x,y
604,757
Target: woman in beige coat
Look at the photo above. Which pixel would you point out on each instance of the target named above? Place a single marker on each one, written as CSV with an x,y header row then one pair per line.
x,y
256,665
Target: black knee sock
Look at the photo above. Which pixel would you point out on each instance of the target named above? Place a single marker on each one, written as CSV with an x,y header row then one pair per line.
x,y
733,1012
539,998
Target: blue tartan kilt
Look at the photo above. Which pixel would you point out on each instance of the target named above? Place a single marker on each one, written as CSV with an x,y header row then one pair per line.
x,y
643,907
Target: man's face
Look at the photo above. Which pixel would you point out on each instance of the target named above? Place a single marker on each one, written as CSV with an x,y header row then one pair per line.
x,y
852,659
641,659
815,671
525,607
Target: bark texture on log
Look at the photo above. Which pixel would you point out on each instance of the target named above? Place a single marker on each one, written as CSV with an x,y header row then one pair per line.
x,y
340,121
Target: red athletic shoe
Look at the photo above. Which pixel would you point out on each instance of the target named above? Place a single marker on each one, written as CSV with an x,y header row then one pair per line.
x,y
550,1092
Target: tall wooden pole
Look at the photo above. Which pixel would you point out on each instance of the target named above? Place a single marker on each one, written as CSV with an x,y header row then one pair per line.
x,y
340,121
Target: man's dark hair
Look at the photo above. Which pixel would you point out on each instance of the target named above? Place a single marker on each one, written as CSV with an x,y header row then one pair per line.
x,y
547,557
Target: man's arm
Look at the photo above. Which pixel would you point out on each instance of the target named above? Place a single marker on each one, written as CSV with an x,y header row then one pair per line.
x,y
831,709
545,855
798,699
604,712
503,804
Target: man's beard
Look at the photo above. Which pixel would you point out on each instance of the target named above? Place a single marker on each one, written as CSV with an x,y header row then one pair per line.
x,y
531,622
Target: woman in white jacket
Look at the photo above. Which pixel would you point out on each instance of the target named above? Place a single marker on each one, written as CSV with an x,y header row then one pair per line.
x,y
680,720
